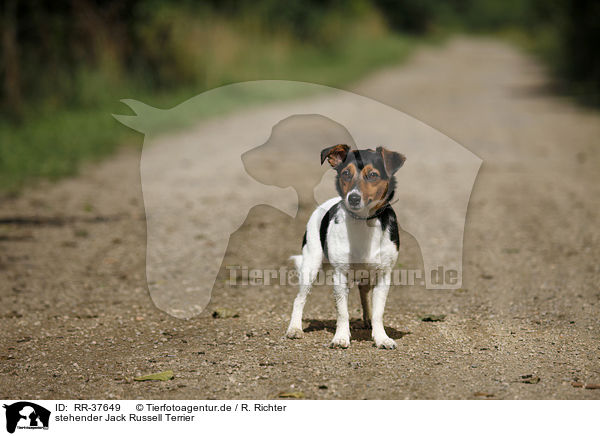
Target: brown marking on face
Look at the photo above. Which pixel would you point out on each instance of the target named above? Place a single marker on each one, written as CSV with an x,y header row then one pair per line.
x,y
372,186
347,176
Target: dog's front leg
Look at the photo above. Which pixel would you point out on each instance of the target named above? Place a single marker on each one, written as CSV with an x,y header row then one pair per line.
x,y
380,292
341,338
307,275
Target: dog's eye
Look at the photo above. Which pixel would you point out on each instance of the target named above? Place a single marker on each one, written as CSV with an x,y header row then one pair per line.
x,y
346,174
372,176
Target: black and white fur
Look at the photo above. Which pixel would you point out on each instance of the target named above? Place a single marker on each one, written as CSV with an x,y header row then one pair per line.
x,y
352,235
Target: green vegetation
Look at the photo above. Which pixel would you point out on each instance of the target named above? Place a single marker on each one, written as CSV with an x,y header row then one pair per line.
x,y
567,42
564,34
57,127
65,66
51,143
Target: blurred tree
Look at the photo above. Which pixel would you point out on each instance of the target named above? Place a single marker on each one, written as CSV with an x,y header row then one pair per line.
x,y
410,16
580,59
10,60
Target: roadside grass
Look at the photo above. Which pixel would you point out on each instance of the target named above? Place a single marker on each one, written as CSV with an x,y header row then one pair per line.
x,y
52,143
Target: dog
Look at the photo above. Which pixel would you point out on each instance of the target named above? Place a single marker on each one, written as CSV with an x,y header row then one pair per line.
x,y
358,228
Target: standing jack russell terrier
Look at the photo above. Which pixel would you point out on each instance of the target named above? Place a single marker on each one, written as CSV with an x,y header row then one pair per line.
x,y
356,229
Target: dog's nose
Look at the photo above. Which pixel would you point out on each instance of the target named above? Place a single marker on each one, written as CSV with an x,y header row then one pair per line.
x,y
354,200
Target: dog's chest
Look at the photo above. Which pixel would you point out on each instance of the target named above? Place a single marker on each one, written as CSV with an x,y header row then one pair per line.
x,y
352,241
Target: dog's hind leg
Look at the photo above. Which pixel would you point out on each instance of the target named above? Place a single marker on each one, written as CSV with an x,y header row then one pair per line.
x,y
365,301
308,271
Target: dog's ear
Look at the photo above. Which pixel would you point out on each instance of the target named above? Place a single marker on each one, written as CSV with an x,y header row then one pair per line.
x,y
335,155
391,160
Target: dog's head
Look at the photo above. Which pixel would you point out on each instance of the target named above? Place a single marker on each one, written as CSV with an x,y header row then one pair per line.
x,y
365,178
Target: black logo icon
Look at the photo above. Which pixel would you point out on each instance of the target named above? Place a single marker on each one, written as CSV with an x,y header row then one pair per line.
x,y
24,414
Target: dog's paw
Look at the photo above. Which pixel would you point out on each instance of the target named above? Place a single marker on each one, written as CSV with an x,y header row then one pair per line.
x,y
294,333
385,343
339,342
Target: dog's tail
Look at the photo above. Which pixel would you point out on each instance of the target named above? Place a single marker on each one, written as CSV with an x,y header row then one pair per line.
x,y
297,261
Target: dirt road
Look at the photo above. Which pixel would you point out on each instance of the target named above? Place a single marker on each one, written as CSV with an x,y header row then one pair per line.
x,y
78,322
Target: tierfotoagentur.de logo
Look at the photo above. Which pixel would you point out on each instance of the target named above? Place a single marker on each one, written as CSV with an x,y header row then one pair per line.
x,y
25,415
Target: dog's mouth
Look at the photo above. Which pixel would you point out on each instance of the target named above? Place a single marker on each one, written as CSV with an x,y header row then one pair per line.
x,y
354,202
364,208
357,206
